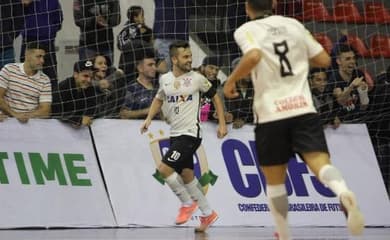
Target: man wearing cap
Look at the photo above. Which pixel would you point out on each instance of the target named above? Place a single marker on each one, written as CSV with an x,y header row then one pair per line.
x,y
77,100
25,91
210,69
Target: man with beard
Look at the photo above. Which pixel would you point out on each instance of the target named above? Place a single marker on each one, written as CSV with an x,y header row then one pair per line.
x,y
25,91
180,91
349,87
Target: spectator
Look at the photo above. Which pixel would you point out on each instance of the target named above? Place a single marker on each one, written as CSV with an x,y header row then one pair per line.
x,y
96,18
43,19
379,124
77,100
210,69
170,24
135,36
11,24
322,97
140,93
25,91
350,90
384,78
135,32
111,85
241,107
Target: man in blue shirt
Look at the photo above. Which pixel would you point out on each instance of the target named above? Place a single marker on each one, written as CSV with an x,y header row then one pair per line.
x,y
141,92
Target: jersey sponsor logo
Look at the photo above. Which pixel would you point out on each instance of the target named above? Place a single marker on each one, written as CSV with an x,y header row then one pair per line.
x,y
248,181
290,103
179,98
187,81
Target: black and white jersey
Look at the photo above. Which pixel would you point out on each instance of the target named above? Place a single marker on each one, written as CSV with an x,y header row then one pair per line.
x,y
181,101
280,78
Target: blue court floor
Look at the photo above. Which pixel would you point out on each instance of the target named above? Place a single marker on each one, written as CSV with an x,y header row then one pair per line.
x,y
186,233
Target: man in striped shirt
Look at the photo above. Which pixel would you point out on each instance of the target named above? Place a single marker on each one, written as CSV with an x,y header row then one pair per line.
x,y
25,91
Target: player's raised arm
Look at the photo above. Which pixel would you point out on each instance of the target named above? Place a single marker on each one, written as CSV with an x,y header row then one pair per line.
x,y
247,63
321,60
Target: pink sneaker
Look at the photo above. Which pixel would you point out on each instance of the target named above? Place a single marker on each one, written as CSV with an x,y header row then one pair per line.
x,y
205,222
185,213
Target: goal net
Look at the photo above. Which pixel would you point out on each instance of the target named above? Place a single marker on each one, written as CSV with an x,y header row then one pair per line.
x,y
355,33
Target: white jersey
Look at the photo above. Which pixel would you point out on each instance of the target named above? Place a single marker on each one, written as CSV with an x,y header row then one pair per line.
x,y
280,78
181,99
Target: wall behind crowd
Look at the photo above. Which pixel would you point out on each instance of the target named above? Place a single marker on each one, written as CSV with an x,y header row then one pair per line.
x,y
67,39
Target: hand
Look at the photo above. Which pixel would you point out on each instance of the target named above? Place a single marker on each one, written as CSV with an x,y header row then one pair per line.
x,y
228,117
336,123
238,123
26,2
142,29
101,21
3,117
222,131
22,117
123,113
344,32
104,84
86,121
356,82
363,86
145,125
229,89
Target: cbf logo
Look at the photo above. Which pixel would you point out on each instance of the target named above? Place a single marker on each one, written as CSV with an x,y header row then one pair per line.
x,y
159,145
248,181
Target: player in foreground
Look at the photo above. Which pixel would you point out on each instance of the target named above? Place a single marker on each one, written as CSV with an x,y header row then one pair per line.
x,y
278,52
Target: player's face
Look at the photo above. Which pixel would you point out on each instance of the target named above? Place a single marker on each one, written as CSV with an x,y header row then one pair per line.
x,y
148,68
35,58
211,72
83,79
101,67
319,81
183,59
347,62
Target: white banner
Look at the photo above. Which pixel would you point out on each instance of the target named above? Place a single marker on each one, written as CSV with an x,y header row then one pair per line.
x,y
49,177
128,160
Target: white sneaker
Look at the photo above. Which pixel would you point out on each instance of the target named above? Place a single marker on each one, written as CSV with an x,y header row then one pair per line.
x,y
355,219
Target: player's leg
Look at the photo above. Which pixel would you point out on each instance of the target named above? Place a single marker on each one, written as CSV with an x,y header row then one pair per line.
x,y
167,168
277,197
331,177
310,142
273,153
195,190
